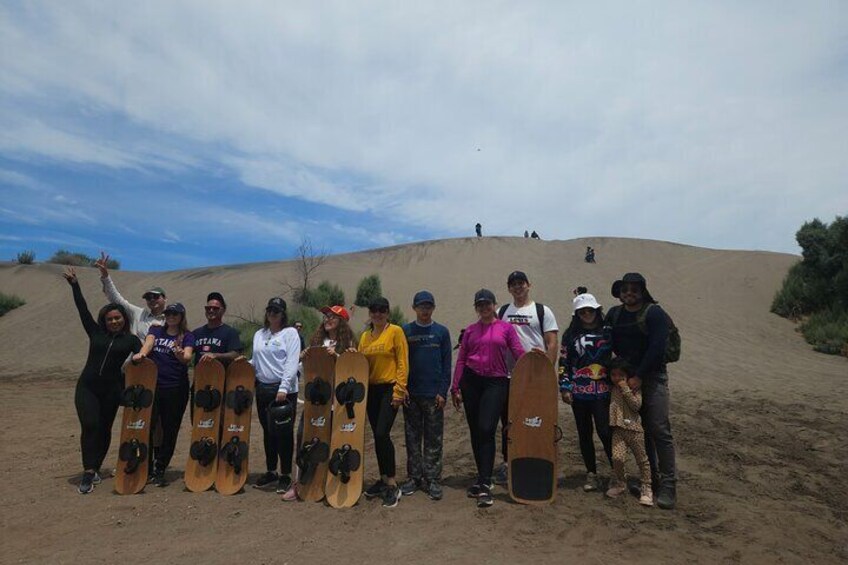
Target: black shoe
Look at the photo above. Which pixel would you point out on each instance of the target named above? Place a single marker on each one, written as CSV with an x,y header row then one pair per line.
x,y
97,479
667,497
375,490
485,499
159,480
284,484
391,496
87,483
265,480
434,490
410,486
475,489
501,475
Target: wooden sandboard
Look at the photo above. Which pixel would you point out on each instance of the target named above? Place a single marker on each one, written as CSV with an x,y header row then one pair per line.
x,y
135,429
206,425
348,431
532,432
317,418
236,428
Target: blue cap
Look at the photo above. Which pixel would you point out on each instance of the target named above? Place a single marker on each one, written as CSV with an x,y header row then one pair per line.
x,y
484,295
176,308
423,297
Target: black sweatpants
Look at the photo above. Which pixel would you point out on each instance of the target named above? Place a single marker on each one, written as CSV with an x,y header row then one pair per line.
x,y
278,446
484,399
168,410
381,416
96,409
587,413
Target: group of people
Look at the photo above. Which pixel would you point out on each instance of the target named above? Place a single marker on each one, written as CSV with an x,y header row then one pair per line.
x,y
611,371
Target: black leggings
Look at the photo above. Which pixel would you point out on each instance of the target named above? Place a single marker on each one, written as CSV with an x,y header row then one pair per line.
x,y
168,410
278,447
96,410
585,413
484,399
381,416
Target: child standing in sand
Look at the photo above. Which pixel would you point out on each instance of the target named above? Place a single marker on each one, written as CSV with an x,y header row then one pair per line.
x,y
627,432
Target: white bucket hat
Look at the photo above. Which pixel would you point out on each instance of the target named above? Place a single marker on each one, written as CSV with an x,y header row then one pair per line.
x,y
585,301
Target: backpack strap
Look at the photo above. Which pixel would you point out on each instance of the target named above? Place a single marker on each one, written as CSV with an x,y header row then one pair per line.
x,y
502,311
540,314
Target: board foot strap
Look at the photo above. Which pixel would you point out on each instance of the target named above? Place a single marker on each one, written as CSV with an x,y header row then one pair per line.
x,y
349,393
204,451
133,452
136,397
344,461
208,398
239,399
318,391
310,456
234,453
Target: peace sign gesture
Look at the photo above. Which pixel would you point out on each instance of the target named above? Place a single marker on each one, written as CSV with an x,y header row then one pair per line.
x,y
101,265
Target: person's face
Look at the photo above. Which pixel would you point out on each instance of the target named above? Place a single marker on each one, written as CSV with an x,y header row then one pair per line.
x,y
617,375
214,311
630,294
519,290
587,315
331,322
485,309
114,321
173,319
298,326
424,312
155,302
275,317
379,315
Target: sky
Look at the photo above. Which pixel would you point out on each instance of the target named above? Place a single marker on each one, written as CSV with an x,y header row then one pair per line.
x,y
187,134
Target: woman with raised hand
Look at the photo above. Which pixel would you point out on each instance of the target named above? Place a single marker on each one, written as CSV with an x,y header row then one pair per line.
x,y
276,354
171,348
481,385
584,384
98,391
384,345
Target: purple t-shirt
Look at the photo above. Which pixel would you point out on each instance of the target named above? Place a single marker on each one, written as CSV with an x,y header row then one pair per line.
x,y
172,372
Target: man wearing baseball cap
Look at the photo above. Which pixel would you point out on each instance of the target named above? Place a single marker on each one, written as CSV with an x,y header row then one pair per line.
x,y
216,340
153,314
427,387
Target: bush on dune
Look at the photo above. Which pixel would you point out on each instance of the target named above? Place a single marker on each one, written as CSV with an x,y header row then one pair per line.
x,y
65,257
26,257
9,302
816,288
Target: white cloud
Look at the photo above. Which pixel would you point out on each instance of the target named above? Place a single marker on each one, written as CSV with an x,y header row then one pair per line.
x,y
719,124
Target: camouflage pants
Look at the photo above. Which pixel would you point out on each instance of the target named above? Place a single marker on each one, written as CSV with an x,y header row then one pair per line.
x,y
424,425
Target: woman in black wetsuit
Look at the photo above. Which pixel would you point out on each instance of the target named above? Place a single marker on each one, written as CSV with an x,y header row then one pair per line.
x,y
98,392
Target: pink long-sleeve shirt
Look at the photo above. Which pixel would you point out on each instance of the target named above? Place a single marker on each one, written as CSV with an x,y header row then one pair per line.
x,y
483,348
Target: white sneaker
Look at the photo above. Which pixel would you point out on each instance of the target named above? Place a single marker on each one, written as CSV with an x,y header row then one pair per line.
x,y
591,482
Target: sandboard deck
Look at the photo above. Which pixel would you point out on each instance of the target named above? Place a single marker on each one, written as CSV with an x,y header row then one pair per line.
x,y
236,428
533,430
348,431
206,425
135,429
317,418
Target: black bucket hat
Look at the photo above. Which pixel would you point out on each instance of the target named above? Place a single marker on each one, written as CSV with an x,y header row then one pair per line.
x,y
632,278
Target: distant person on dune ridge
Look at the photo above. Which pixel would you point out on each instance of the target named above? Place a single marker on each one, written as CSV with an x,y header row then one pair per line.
x,y
142,317
584,384
423,412
590,255
479,229
98,391
534,235
481,385
643,345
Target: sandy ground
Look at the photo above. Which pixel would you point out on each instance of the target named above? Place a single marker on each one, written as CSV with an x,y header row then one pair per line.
x,y
758,418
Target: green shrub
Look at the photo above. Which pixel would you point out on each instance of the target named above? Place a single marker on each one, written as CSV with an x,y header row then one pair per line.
x,y
26,257
327,294
246,329
309,317
9,302
396,316
65,257
827,331
369,288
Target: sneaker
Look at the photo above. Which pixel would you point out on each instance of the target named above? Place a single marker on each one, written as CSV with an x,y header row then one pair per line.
x,y
616,488
410,486
284,484
485,499
667,498
434,490
475,489
391,496
159,480
501,476
97,480
268,478
591,484
375,490
87,483
290,495
646,497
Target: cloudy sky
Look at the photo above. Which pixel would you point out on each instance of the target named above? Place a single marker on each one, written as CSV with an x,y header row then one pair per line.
x,y
182,134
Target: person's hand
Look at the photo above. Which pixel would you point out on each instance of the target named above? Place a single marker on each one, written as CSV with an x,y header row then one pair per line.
x,y
456,398
440,402
138,357
566,397
396,402
539,349
351,350
331,351
634,382
70,275
178,351
281,397
303,353
101,265
208,358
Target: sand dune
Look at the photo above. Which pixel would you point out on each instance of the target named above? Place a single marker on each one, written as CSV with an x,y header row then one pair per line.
x,y
758,416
